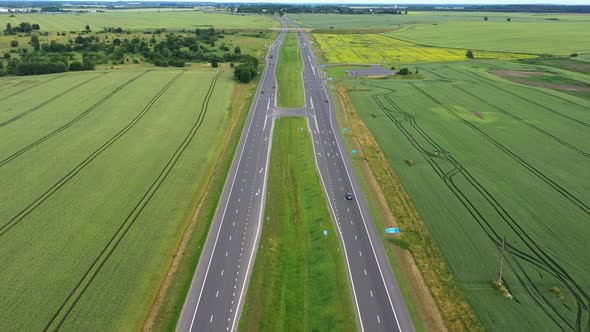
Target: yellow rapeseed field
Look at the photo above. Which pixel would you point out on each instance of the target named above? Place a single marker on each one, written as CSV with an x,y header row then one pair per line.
x,y
376,48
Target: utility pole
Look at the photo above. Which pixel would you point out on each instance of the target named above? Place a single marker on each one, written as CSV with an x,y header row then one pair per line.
x,y
499,282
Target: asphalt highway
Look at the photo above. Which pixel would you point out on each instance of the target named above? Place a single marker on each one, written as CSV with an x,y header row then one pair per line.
x,y
218,288
219,285
379,303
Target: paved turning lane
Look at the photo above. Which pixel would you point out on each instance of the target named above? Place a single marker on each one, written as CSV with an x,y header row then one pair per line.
x,y
217,291
379,304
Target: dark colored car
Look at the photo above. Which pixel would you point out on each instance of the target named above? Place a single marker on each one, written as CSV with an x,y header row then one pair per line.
x,y
348,196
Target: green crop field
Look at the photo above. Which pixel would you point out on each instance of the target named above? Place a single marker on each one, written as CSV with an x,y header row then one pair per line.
x,y
540,37
136,21
299,281
485,159
338,22
288,70
100,174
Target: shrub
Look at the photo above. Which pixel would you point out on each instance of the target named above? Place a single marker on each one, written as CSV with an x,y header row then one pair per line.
x,y
573,55
14,43
404,71
76,66
469,54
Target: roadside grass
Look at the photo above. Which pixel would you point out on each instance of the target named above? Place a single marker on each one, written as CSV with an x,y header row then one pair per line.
x,y
138,21
482,158
288,70
86,192
384,49
299,281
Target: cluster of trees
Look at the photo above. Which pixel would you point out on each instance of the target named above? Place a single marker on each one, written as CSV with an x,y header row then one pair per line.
x,y
169,50
247,70
23,27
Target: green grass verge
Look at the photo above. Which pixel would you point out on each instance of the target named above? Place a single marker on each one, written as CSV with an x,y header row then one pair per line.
x,y
289,67
299,282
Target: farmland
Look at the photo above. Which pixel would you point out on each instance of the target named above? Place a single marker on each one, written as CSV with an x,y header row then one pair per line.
x,y
484,159
138,21
560,37
299,281
376,48
288,71
99,188
368,22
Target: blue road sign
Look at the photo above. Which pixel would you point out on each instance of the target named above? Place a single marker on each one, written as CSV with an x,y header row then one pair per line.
x,y
325,232
354,151
392,230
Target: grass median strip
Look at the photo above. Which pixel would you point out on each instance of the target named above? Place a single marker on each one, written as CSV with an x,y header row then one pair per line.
x,y
289,67
299,281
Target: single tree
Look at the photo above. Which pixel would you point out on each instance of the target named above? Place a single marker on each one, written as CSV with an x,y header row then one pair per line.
x,y
35,26
214,63
485,18
87,28
469,54
237,50
404,71
35,42
14,43
508,19
7,56
8,28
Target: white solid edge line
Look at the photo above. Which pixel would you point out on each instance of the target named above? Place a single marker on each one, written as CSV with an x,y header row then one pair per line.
x,y
356,305
257,238
358,205
260,86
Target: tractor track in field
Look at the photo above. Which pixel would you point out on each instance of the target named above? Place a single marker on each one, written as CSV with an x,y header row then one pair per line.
x,y
486,81
49,101
528,124
32,86
88,277
72,173
71,122
564,192
542,260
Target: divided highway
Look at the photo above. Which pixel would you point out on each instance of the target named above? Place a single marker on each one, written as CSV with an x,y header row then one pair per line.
x,y
218,289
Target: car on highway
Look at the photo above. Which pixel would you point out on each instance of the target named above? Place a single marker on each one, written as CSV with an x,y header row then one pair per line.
x,y
348,196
